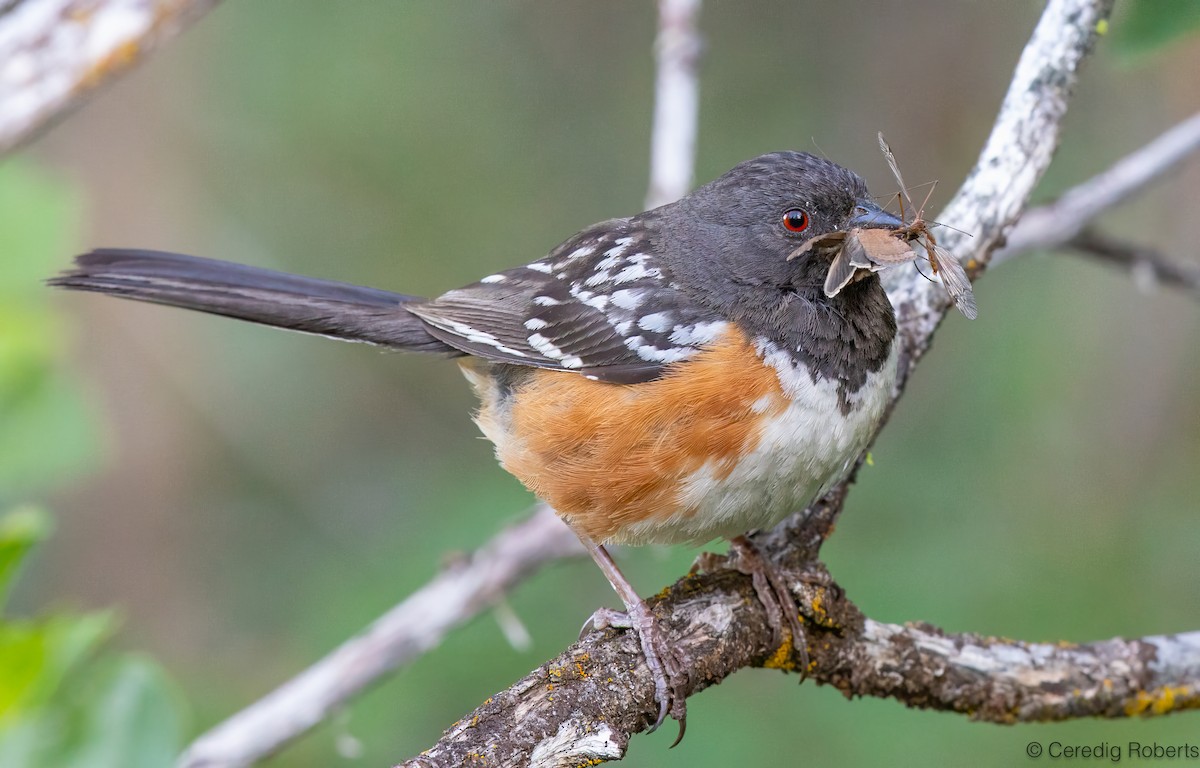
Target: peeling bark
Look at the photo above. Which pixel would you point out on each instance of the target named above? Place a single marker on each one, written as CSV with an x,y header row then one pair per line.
x,y
55,53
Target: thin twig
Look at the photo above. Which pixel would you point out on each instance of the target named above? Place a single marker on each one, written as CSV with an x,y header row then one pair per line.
x,y
1054,224
55,53
1148,267
406,631
676,102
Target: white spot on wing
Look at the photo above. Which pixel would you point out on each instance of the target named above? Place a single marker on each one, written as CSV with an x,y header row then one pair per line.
x,y
698,334
657,322
546,347
609,261
546,301
493,279
598,301
636,271
476,336
670,355
617,250
626,298
653,354
539,266
597,278
535,324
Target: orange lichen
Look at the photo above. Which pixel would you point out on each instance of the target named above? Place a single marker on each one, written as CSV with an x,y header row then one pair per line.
x,y
118,59
1160,701
782,658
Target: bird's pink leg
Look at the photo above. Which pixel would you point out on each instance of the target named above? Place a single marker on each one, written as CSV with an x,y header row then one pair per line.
x,y
662,664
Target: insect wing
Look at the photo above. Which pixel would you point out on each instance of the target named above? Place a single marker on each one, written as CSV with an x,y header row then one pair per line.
x,y
878,247
891,161
827,241
955,281
840,272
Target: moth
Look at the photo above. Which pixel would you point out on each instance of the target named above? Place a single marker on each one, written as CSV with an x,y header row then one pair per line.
x,y
865,248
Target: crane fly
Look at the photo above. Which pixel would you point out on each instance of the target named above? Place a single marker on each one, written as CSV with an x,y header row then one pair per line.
x,y
942,262
858,251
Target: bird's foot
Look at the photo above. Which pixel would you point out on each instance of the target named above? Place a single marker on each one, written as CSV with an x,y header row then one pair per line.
x,y
775,594
669,690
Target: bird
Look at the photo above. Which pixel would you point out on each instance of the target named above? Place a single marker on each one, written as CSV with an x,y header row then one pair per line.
x,y
672,377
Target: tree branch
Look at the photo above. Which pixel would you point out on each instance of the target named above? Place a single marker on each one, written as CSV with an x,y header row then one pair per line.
x,y
676,102
55,53
1149,267
1058,223
1014,158
585,704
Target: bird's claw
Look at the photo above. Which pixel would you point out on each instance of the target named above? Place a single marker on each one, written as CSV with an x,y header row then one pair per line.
x,y
776,596
669,691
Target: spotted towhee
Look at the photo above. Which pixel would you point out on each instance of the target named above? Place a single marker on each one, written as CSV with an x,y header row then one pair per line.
x,y
675,376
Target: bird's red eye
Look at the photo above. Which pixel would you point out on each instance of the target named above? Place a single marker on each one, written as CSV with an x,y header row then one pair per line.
x,y
795,220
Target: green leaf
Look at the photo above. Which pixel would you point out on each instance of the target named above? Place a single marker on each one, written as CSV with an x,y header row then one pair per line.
x,y
36,656
131,720
59,708
1149,25
20,531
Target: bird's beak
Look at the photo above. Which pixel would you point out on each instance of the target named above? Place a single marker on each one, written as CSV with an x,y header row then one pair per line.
x,y
868,215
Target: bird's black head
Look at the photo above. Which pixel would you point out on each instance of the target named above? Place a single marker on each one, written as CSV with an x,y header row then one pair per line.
x,y
743,226
727,244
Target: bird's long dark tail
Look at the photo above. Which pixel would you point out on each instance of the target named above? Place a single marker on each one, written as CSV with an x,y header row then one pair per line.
x,y
294,302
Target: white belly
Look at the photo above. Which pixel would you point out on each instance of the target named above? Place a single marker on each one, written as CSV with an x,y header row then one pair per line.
x,y
802,453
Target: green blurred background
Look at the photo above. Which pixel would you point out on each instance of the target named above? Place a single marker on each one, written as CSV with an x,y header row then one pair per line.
x,y
247,498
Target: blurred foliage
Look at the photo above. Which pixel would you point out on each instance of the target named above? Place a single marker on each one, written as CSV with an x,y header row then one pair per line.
x,y
1147,26
63,702
47,435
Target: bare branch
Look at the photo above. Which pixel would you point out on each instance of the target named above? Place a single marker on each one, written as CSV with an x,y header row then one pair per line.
x,y
585,704
1006,681
1061,221
1149,267
55,53
414,626
676,102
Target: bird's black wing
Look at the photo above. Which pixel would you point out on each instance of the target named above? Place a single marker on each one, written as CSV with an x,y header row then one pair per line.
x,y
599,304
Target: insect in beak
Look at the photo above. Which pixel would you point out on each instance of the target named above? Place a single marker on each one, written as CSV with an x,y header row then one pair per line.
x,y
943,263
874,239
